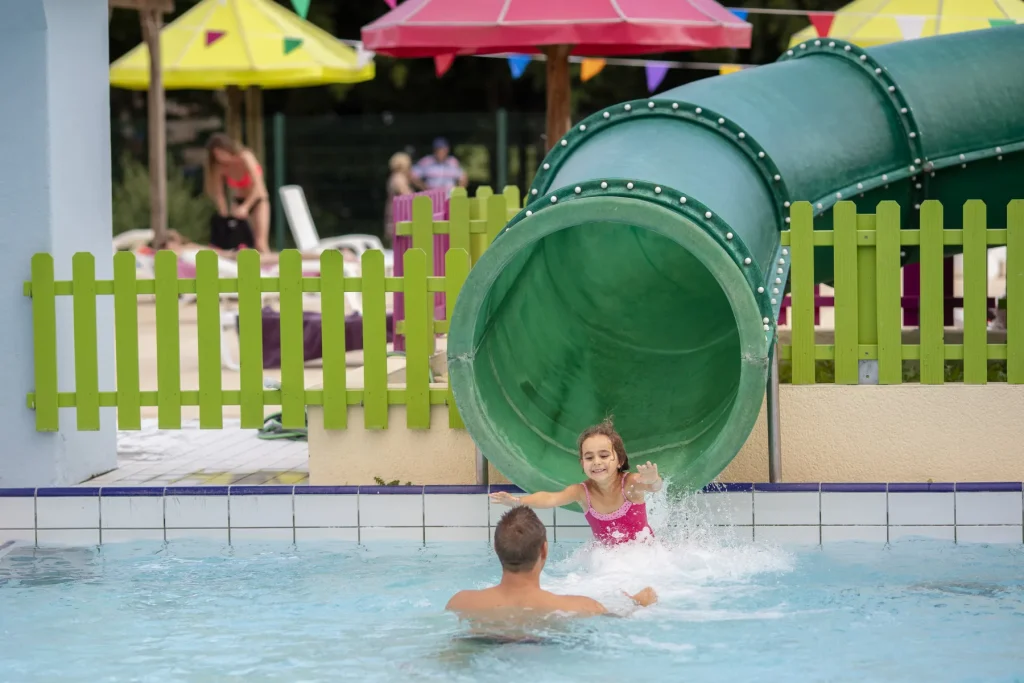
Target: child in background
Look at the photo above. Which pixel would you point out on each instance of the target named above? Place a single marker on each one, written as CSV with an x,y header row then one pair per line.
x,y
612,496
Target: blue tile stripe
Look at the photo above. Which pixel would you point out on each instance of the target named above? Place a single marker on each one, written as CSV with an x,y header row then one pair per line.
x,y
17,493
260,490
326,490
448,490
787,487
133,491
853,488
728,488
921,488
68,492
989,487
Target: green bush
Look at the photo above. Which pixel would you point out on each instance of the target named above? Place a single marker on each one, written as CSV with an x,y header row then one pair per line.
x,y
187,212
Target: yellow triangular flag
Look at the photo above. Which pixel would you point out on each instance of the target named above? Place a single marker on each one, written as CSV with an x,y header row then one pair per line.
x,y
729,69
590,68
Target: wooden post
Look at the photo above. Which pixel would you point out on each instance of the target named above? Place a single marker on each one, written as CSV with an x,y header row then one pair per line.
x,y
152,22
559,102
254,137
234,127
151,19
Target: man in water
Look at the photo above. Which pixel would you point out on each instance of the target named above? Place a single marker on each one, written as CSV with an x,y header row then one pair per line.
x,y
520,541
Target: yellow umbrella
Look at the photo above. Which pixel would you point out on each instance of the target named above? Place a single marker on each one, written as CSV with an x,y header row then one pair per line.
x,y
876,22
220,43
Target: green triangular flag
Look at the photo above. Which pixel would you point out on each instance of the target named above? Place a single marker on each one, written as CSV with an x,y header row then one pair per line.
x,y
996,23
291,44
301,7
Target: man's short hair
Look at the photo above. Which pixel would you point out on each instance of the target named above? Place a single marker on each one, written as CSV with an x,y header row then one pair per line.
x,y
518,539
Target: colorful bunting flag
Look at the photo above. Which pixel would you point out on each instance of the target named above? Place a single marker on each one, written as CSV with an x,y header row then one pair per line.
x,y
822,22
213,36
911,25
741,14
729,69
590,68
442,63
391,3
291,45
996,23
301,7
517,64
655,74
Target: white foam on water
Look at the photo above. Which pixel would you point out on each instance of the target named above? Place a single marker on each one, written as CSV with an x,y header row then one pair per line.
x,y
690,561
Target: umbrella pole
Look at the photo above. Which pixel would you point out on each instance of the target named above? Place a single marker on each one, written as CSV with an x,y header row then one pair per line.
x,y
559,115
254,122
152,21
233,126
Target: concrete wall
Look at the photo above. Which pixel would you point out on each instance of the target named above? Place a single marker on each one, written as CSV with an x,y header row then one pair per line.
x,y
830,433
55,196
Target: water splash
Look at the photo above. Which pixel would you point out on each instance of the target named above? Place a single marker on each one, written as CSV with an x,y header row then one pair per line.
x,y
691,560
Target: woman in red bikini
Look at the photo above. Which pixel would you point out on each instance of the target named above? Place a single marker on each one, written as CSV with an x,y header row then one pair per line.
x,y
230,163
612,497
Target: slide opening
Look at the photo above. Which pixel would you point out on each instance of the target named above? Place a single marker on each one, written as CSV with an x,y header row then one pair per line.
x,y
606,307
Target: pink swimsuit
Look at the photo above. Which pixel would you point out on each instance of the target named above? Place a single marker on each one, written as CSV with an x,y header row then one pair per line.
x,y
623,525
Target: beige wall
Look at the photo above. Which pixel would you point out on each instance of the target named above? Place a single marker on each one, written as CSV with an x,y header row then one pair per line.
x,y
356,455
830,433
911,433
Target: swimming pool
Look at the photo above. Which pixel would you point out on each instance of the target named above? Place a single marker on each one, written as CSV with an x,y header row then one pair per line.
x,y
195,610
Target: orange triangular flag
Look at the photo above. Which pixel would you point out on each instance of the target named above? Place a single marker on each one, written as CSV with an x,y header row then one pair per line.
x,y
590,68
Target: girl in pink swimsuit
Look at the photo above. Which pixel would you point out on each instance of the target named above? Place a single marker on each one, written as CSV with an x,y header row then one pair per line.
x,y
612,497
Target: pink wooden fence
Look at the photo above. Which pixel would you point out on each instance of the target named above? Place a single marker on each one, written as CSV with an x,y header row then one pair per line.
x,y
403,212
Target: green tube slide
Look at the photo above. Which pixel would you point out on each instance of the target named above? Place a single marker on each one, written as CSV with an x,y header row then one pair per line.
x,y
643,279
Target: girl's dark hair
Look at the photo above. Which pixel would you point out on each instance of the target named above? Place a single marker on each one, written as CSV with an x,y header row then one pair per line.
x,y
606,428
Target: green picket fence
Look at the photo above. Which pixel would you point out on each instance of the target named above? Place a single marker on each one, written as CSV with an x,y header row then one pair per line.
x,y
868,322
472,224
293,397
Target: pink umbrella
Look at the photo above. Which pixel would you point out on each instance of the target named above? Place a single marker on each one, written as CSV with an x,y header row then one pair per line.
x,y
556,28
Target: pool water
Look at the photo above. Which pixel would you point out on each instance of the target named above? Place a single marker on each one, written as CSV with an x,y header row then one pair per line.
x,y
199,611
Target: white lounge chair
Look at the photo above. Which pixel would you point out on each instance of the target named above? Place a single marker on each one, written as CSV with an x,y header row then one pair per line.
x,y
129,240
300,221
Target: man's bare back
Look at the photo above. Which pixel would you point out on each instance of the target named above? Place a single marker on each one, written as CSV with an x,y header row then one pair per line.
x,y
536,600
518,603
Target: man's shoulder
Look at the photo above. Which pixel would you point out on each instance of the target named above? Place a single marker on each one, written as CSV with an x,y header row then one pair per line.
x,y
467,599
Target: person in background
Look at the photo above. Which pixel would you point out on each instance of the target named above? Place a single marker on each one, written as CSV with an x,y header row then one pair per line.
x,y
439,169
230,163
399,183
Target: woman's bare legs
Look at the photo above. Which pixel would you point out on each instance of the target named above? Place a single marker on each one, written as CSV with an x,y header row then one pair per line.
x,y
259,220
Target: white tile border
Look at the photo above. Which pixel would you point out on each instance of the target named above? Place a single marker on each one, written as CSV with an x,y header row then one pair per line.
x,y
785,514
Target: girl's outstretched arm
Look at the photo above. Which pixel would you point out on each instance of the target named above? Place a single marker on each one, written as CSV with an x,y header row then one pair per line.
x,y
541,499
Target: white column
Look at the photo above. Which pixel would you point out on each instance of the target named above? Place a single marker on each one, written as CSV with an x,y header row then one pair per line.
x,y
55,197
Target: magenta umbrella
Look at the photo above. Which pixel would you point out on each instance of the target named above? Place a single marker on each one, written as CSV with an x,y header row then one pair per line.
x,y
556,28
